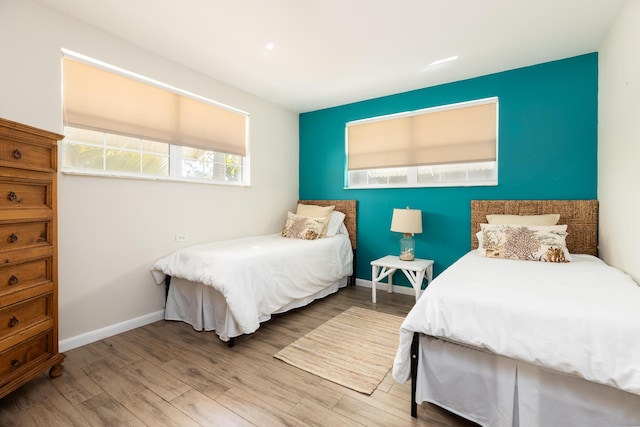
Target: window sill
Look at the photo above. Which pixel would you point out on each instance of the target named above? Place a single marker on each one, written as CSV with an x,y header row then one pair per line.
x,y
444,184
154,178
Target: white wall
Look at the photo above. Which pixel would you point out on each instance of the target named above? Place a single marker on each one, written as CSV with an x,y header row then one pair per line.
x,y
619,143
112,230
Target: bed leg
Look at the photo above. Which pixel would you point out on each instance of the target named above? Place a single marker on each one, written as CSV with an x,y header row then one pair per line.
x,y
415,346
232,342
352,279
167,284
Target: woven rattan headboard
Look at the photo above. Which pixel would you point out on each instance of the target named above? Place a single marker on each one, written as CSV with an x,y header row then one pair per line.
x,y
581,217
347,207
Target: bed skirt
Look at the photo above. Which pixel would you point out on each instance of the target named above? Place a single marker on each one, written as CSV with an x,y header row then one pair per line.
x,y
205,308
494,390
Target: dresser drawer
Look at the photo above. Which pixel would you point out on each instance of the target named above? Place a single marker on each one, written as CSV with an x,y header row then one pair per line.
x,y
23,155
19,235
18,358
16,278
24,195
17,318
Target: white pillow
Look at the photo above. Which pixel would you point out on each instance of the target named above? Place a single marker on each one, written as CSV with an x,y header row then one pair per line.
x,y
335,220
343,229
479,237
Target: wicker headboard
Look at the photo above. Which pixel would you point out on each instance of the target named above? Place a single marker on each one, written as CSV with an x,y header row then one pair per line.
x,y
347,207
581,217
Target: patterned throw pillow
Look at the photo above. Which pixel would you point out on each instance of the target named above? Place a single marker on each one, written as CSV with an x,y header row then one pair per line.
x,y
302,227
316,211
531,243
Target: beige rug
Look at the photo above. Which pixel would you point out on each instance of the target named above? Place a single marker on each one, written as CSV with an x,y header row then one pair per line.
x,y
354,349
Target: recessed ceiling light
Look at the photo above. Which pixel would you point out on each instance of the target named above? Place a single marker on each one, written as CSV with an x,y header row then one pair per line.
x,y
270,46
441,61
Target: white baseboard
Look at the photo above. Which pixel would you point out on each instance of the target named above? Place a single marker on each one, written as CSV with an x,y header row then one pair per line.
x,y
118,328
405,290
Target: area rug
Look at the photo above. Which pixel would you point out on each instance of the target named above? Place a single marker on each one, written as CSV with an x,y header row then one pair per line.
x,y
354,349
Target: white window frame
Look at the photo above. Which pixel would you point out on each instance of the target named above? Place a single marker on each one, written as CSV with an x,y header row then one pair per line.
x,y
174,157
412,172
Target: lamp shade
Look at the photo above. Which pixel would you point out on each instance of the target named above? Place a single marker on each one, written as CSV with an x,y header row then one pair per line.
x,y
407,221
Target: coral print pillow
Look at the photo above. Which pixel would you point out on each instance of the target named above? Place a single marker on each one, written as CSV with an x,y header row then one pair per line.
x,y
302,227
524,242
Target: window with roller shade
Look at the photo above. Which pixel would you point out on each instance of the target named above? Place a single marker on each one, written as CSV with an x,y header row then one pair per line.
x,y
452,145
121,124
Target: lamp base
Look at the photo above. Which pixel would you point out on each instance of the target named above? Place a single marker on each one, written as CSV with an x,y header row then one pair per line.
x,y
407,248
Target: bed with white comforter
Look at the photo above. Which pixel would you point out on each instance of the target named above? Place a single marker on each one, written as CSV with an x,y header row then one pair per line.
x,y
532,341
581,318
232,286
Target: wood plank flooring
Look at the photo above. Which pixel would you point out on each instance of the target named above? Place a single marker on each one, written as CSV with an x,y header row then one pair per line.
x,y
167,374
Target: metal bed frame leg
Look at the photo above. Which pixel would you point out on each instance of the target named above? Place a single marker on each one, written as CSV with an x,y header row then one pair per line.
x,y
415,346
167,284
232,342
352,278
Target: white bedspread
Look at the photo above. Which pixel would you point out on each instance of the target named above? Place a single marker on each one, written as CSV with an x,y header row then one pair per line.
x,y
259,275
581,318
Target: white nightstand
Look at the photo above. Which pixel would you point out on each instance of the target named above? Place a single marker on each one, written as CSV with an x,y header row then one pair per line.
x,y
415,271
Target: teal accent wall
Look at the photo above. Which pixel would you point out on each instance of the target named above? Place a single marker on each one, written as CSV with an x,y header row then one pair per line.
x,y
547,150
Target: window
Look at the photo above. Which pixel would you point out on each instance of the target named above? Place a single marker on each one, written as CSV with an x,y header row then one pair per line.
x,y
119,124
452,145
100,153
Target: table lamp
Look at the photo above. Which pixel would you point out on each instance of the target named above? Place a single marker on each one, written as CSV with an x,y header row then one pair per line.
x,y
408,222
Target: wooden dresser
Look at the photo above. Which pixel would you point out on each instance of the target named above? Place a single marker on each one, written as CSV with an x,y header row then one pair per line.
x,y
28,255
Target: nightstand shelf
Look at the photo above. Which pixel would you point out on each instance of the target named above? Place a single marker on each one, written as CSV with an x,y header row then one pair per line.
x,y
415,271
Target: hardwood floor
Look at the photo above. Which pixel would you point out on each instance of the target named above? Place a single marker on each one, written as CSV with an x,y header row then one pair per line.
x,y
167,374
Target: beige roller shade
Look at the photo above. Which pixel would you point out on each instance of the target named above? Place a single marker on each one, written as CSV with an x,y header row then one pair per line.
x,y
98,99
458,135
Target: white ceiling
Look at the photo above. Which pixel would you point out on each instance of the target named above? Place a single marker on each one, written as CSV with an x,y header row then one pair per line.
x,y
332,52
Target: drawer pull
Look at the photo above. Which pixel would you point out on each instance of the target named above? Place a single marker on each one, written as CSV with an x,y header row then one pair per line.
x,y
13,280
13,238
16,363
17,154
13,321
13,197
